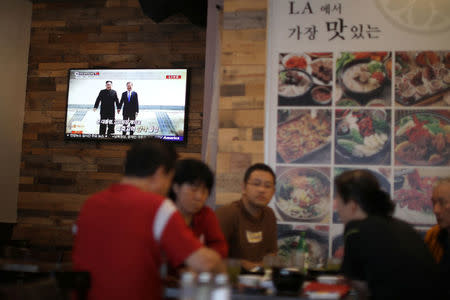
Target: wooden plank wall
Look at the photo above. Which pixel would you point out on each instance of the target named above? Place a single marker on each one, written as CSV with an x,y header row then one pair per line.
x,y
57,176
241,107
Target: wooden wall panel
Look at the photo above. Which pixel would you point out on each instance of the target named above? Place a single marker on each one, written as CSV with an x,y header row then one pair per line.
x,y
242,84
57,176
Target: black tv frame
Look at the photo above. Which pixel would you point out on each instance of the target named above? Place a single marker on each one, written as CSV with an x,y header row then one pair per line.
x,y
119,139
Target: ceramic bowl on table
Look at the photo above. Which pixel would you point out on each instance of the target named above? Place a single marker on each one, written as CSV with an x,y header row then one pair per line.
x,y
287,280
250,281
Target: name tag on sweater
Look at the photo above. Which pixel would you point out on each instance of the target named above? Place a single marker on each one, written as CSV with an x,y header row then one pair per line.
x,y
254,237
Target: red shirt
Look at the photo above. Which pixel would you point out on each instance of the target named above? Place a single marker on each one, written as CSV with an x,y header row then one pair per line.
x,y
206,227
122,233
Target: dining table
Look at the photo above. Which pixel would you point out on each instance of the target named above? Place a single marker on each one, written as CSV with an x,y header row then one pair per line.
x,y
32,266
267,294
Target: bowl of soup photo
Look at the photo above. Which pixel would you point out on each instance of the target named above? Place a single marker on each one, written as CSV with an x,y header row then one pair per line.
x,y
293,84
363,79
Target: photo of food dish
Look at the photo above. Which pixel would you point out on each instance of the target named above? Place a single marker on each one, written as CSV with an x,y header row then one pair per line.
x,y
304,135
303,194
362,136
383,176
412,194
317,239
422,78
422,138
305,79
363,79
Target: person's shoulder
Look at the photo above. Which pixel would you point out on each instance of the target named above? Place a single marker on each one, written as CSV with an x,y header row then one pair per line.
x,y
432,233
269,212
135,194
405,226
230,210
206,214
230,207
97,198
206,210
354,228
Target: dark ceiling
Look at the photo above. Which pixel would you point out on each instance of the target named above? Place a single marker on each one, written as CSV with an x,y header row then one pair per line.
x,y
158,10
194,10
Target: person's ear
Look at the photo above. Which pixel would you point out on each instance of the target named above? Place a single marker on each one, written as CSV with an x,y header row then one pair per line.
x,y
353,205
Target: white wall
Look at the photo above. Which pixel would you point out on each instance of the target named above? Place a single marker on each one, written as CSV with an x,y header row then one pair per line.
x,y
15,25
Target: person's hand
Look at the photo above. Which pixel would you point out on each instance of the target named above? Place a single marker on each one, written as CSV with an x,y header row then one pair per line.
x,y
95,109
249,265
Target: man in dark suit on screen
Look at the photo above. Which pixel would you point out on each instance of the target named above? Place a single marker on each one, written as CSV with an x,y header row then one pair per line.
x,y
130,103
107,98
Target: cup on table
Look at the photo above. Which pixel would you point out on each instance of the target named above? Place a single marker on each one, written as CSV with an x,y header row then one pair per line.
x,y
334,264
297,261
233,270
269,261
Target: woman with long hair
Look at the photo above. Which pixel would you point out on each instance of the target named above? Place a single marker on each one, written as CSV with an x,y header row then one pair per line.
x,y
383,256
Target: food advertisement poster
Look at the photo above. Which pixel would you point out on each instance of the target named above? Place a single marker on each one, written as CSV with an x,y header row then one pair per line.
x,y
355,84
316,237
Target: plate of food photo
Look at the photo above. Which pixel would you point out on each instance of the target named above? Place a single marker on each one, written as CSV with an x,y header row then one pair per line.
x,y
422,138
316,242
302,133
421,77
362,136
363,76
303,194
412,195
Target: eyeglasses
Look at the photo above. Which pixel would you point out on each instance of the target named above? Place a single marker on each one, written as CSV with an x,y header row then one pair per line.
x,y
258,183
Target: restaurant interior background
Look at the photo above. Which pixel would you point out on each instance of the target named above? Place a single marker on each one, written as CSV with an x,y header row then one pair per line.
x,y
45,180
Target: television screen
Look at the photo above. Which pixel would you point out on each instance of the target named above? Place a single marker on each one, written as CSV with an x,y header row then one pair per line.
x,y
124,104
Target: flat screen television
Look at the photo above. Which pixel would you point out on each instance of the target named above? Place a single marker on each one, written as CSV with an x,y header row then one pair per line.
x,y
127,104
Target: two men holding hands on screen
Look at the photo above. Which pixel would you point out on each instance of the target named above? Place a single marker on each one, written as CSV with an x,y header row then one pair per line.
x,y
107,98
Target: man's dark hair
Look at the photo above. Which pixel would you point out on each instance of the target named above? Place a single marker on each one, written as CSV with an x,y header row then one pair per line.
x,y
192,171
362,187
260,167
108,81
145,157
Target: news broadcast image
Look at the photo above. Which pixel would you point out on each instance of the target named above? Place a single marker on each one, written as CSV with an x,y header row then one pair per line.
x,y
161,100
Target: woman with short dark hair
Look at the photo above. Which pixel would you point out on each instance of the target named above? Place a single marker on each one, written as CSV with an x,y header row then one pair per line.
x,y
383,255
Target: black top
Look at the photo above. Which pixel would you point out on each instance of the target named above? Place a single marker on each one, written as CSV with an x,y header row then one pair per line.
x,y
107,99
391,257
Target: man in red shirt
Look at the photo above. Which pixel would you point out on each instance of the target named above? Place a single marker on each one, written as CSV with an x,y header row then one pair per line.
x,y
125,233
